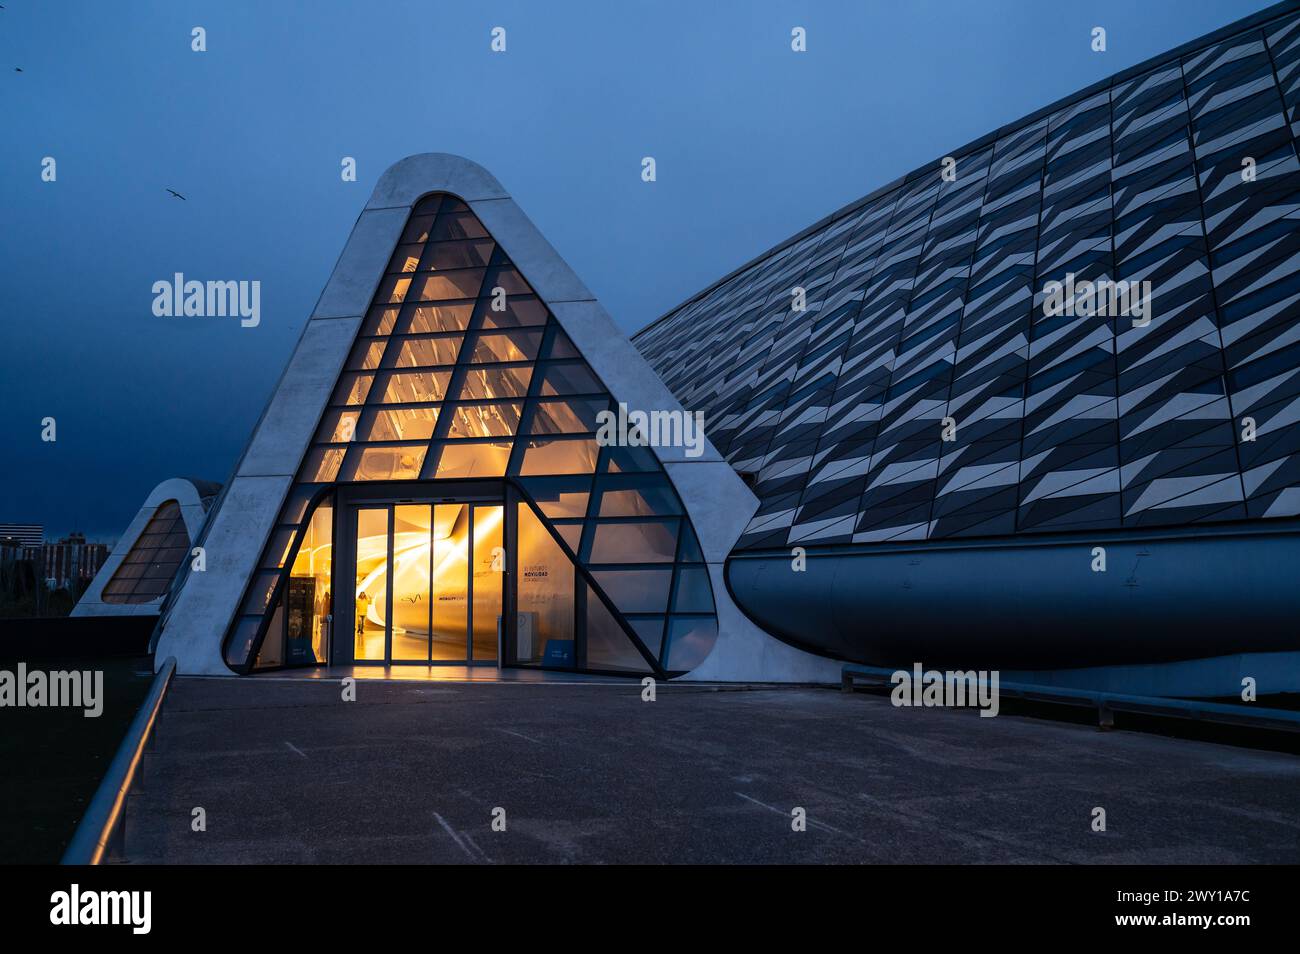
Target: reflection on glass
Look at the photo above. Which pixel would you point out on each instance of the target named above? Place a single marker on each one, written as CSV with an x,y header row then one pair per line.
x,y
607,645
402,424
371,595
689,641
492,383
506,346
485,420
636,591
450,581
544,628
308,599
560,455
410,572
426,318
640,541
427,352
473,459
489,566
446,286
387,463
518,311
415,387
367,355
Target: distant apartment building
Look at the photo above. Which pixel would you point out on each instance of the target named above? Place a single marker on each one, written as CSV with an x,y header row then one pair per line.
x,y
26,534
70,563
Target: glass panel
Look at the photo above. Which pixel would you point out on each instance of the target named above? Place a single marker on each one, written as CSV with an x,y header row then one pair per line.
x,y
352,389
295,507
277,548
415,387
367,354
508,278
519,311
406,258
439,256
485,420
544,627
561,496
272,652
380,320
371,591
402,424
445,286
651,633
417,228
473,459
307,599
569,378
411,600
625,460
690,551
643,541
259,593
489,567
505,346
689,641
241,641
637,496
392,291
493,383
338,427
153,559
636,591
608,647
694,593
386,463
322,464
562,347
426,318
457,227
427,352
574,416
570,533
560,456
450,581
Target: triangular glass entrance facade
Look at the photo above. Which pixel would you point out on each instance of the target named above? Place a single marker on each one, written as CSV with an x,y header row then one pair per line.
x,y
460,373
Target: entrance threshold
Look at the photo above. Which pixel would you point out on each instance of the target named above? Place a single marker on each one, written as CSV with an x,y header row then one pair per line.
x,y
455,674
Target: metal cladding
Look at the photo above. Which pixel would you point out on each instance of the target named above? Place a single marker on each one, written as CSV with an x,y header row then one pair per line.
x,y
926,390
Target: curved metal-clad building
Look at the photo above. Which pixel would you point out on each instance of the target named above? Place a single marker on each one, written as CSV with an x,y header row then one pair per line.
x,y
1033,404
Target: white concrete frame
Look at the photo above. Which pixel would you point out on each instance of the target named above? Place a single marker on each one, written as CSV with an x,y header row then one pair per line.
x,y
174,488
716,499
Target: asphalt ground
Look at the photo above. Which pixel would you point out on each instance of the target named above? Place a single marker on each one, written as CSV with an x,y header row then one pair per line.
x,y
587,772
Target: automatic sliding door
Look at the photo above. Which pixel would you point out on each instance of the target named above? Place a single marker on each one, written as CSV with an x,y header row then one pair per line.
x,y
370,619
450,582
410,570
489,564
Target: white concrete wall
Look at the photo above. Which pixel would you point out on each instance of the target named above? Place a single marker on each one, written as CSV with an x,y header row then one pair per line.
x,y
192,513
718,502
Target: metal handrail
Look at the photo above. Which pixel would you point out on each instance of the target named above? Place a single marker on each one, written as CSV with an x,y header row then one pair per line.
x,y
107,809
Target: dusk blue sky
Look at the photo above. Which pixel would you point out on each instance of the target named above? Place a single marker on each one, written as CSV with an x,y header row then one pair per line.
x,y
753,143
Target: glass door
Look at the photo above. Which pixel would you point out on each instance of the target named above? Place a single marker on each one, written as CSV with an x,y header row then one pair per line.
x,y
440,567
370,615
489,571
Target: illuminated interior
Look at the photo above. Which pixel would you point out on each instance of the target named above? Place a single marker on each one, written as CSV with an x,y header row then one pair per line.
x,y
460,372
428,570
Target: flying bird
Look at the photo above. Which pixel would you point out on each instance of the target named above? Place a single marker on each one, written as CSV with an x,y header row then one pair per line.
x,y
178,195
